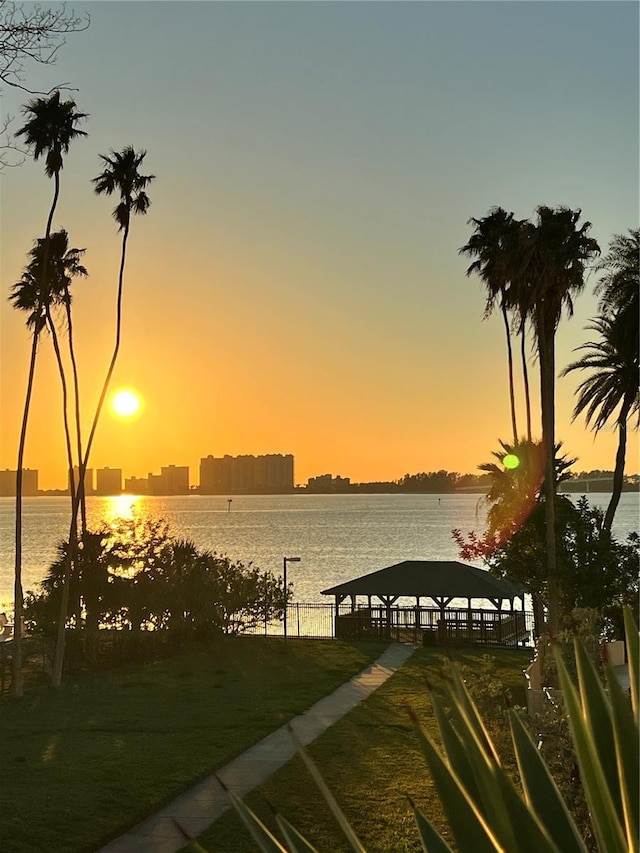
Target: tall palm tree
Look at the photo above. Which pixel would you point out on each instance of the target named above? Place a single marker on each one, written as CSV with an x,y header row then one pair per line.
x,y
492,244
619,287
554,252
63,266
121,175
612,391
50,128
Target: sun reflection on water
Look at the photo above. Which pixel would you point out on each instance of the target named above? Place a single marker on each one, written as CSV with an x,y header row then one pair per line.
x,y
119,507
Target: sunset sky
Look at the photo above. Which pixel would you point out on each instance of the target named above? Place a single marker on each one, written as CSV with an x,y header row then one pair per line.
x,y
296,285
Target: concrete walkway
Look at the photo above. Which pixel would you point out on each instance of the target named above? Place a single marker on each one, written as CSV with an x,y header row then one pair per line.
x,y
198,808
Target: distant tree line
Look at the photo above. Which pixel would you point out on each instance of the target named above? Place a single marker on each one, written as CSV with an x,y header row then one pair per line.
x,y
449,482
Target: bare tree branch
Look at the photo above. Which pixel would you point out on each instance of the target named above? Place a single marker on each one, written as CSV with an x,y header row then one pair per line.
x,y
30,34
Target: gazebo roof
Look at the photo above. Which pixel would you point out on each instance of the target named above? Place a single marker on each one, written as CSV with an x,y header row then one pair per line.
x,y
429,578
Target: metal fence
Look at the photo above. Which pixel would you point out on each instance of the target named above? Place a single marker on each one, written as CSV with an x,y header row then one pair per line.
x,y
420,625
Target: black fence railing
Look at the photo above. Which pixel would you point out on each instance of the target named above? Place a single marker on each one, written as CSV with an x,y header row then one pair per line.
x,y
420,625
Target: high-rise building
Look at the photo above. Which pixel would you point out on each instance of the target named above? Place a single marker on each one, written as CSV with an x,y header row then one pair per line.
x,y
175,479
246,474
109,481
136,486
88,479
29,483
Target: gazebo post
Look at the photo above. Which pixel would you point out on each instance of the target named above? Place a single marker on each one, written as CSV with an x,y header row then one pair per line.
x,y
469,620
441,603
338,599
388,600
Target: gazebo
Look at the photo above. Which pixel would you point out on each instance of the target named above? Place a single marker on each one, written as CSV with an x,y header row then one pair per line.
x,y
439,581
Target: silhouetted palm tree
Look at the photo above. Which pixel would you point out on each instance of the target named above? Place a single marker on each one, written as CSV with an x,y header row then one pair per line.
x,y
619,287
121,176
49,130
611,392
493,244
554,253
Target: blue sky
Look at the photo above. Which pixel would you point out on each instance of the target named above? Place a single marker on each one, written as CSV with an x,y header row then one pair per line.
x,y
296,285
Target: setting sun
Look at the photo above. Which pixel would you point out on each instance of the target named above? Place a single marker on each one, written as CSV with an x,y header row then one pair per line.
x,y
125,403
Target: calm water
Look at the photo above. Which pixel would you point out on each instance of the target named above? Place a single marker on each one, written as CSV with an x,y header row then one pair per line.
x,y
337,537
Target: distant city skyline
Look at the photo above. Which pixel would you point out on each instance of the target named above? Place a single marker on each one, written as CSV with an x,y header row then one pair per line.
x,y
296,284
176,480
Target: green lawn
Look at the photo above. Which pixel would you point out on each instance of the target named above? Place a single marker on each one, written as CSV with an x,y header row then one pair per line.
x,y
82,764
371,761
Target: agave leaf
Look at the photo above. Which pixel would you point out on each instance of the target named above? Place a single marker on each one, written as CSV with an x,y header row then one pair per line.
x,y
627,747
295,841
604,819
344,824
528,833
597,717
432,841
259,832
193,843
470,713
473,760
471,831
454,748
633,657
541,792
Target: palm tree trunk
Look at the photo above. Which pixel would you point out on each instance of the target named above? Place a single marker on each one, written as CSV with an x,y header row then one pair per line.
x,y
76,391
73,536
17,684
618,474
114,357
525,378
512,398
17,688
83,463
547,402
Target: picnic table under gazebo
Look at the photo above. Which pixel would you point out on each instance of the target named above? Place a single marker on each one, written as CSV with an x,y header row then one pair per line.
x,y
437,587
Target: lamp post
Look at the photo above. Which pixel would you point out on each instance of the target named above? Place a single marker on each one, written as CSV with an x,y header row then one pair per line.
x,y
284,563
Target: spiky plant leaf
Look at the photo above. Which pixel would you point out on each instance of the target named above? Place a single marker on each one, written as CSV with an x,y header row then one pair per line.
x,y
541,792
330,800
606,826
259,832
597,717
633,657
294,840
473,718
627,744
474,761
432,841
455,748
472,833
